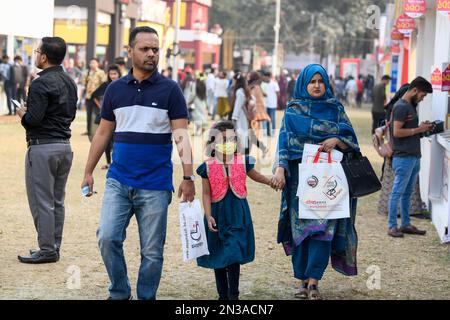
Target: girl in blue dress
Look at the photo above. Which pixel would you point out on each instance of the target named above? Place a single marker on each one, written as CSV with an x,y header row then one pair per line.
x,y
230,235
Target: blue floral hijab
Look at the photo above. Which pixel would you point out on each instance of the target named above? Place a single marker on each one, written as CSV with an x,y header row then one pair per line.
x,y
312,120
304,78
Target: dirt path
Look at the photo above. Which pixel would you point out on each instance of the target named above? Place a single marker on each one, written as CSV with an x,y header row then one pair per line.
x,y
409,268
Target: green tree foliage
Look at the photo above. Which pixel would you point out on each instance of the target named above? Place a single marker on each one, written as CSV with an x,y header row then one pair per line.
x,y
338,26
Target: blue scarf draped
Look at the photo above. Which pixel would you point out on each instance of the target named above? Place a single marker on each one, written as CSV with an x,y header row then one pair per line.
x,y
312,120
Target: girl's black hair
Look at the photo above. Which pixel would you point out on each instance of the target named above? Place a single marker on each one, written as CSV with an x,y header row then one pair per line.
x,y
113,67
398,95
200,89
241,82
221,126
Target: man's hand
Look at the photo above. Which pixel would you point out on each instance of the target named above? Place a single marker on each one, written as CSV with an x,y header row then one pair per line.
x,y
88,181
21,112
426,126
187,190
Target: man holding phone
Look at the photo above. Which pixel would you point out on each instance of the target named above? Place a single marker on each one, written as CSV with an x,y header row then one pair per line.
x,y
406,133
50,110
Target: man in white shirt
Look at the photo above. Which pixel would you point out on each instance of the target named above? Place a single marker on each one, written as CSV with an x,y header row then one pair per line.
x,y
352,89
210,85
273,94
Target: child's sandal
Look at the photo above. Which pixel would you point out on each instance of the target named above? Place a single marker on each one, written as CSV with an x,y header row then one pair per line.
x,y
314,293
303,292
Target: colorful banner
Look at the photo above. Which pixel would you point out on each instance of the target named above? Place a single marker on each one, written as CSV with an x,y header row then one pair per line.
x,y
396,35
443,6
395,49
394,74
446,77
405,24
415,8
436,79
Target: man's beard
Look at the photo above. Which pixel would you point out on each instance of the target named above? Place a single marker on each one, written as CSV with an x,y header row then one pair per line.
x,y
150,68
414,101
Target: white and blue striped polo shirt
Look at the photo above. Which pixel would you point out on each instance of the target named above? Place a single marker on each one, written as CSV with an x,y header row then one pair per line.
x,y
143,135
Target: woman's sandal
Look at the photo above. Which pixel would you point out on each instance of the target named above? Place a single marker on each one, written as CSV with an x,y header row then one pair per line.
x,y
314,293
303,293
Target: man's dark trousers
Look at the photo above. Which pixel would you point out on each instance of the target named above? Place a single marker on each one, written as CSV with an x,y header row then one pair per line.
x,y
47,168
90,104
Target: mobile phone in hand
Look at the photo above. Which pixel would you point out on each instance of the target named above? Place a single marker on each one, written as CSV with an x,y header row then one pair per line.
x,y
16,103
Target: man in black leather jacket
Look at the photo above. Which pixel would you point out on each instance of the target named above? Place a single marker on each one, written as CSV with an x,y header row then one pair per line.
x,y
50,110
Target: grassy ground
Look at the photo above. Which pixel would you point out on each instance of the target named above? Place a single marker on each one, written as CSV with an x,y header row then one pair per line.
x,y
409,268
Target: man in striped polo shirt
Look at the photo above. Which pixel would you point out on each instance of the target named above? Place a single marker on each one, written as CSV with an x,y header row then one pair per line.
x,y
143,110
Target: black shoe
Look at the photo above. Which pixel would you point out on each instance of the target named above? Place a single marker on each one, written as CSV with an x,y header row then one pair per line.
x,y
129,298
33,251
410,229
39,257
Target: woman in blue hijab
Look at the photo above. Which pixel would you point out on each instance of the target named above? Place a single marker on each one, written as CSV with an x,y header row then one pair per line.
x,y
314,116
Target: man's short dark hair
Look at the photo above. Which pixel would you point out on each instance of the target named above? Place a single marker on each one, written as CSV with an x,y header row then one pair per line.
x,y
386,77
120,61
421,84
138,30
55,49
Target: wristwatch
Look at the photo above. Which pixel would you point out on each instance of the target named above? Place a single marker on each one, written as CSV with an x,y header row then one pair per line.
x,y
189,178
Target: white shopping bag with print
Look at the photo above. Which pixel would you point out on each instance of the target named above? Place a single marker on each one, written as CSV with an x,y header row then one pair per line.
x,y
322,190
192,228
310,151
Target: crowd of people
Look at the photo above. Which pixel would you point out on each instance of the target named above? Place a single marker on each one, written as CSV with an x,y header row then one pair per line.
x,y
354,92
141,112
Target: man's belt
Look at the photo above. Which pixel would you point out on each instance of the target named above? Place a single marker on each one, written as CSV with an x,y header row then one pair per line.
x,y
33,142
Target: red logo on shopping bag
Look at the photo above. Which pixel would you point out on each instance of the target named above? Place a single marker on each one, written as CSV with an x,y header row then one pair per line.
x,y
312,181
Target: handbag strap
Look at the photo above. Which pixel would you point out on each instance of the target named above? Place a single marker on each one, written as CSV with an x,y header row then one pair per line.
x,y
316,158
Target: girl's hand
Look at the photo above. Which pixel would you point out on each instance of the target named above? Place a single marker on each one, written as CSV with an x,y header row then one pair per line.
x,y
212,224
278,180
329,144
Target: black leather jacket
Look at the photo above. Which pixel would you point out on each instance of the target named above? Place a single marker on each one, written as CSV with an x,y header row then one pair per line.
x,y
51,105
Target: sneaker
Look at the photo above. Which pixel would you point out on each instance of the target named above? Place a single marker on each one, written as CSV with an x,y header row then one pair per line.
x,y
395,233
410,229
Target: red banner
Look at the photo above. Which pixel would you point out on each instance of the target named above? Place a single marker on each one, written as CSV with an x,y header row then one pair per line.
x,y
395,49
415,8
396,35
436,79
405,24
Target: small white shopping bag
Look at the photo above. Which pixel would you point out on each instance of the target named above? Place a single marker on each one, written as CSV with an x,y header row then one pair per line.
x,y
310,151
192,228
322,190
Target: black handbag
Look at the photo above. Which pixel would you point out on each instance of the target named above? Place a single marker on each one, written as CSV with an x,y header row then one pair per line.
x,y
362,179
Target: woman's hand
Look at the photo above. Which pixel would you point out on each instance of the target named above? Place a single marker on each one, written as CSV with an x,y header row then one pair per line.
x,y
329,144
278,180
212,224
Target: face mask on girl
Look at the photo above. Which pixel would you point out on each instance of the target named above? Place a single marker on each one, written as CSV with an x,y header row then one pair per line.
x,y
228,148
